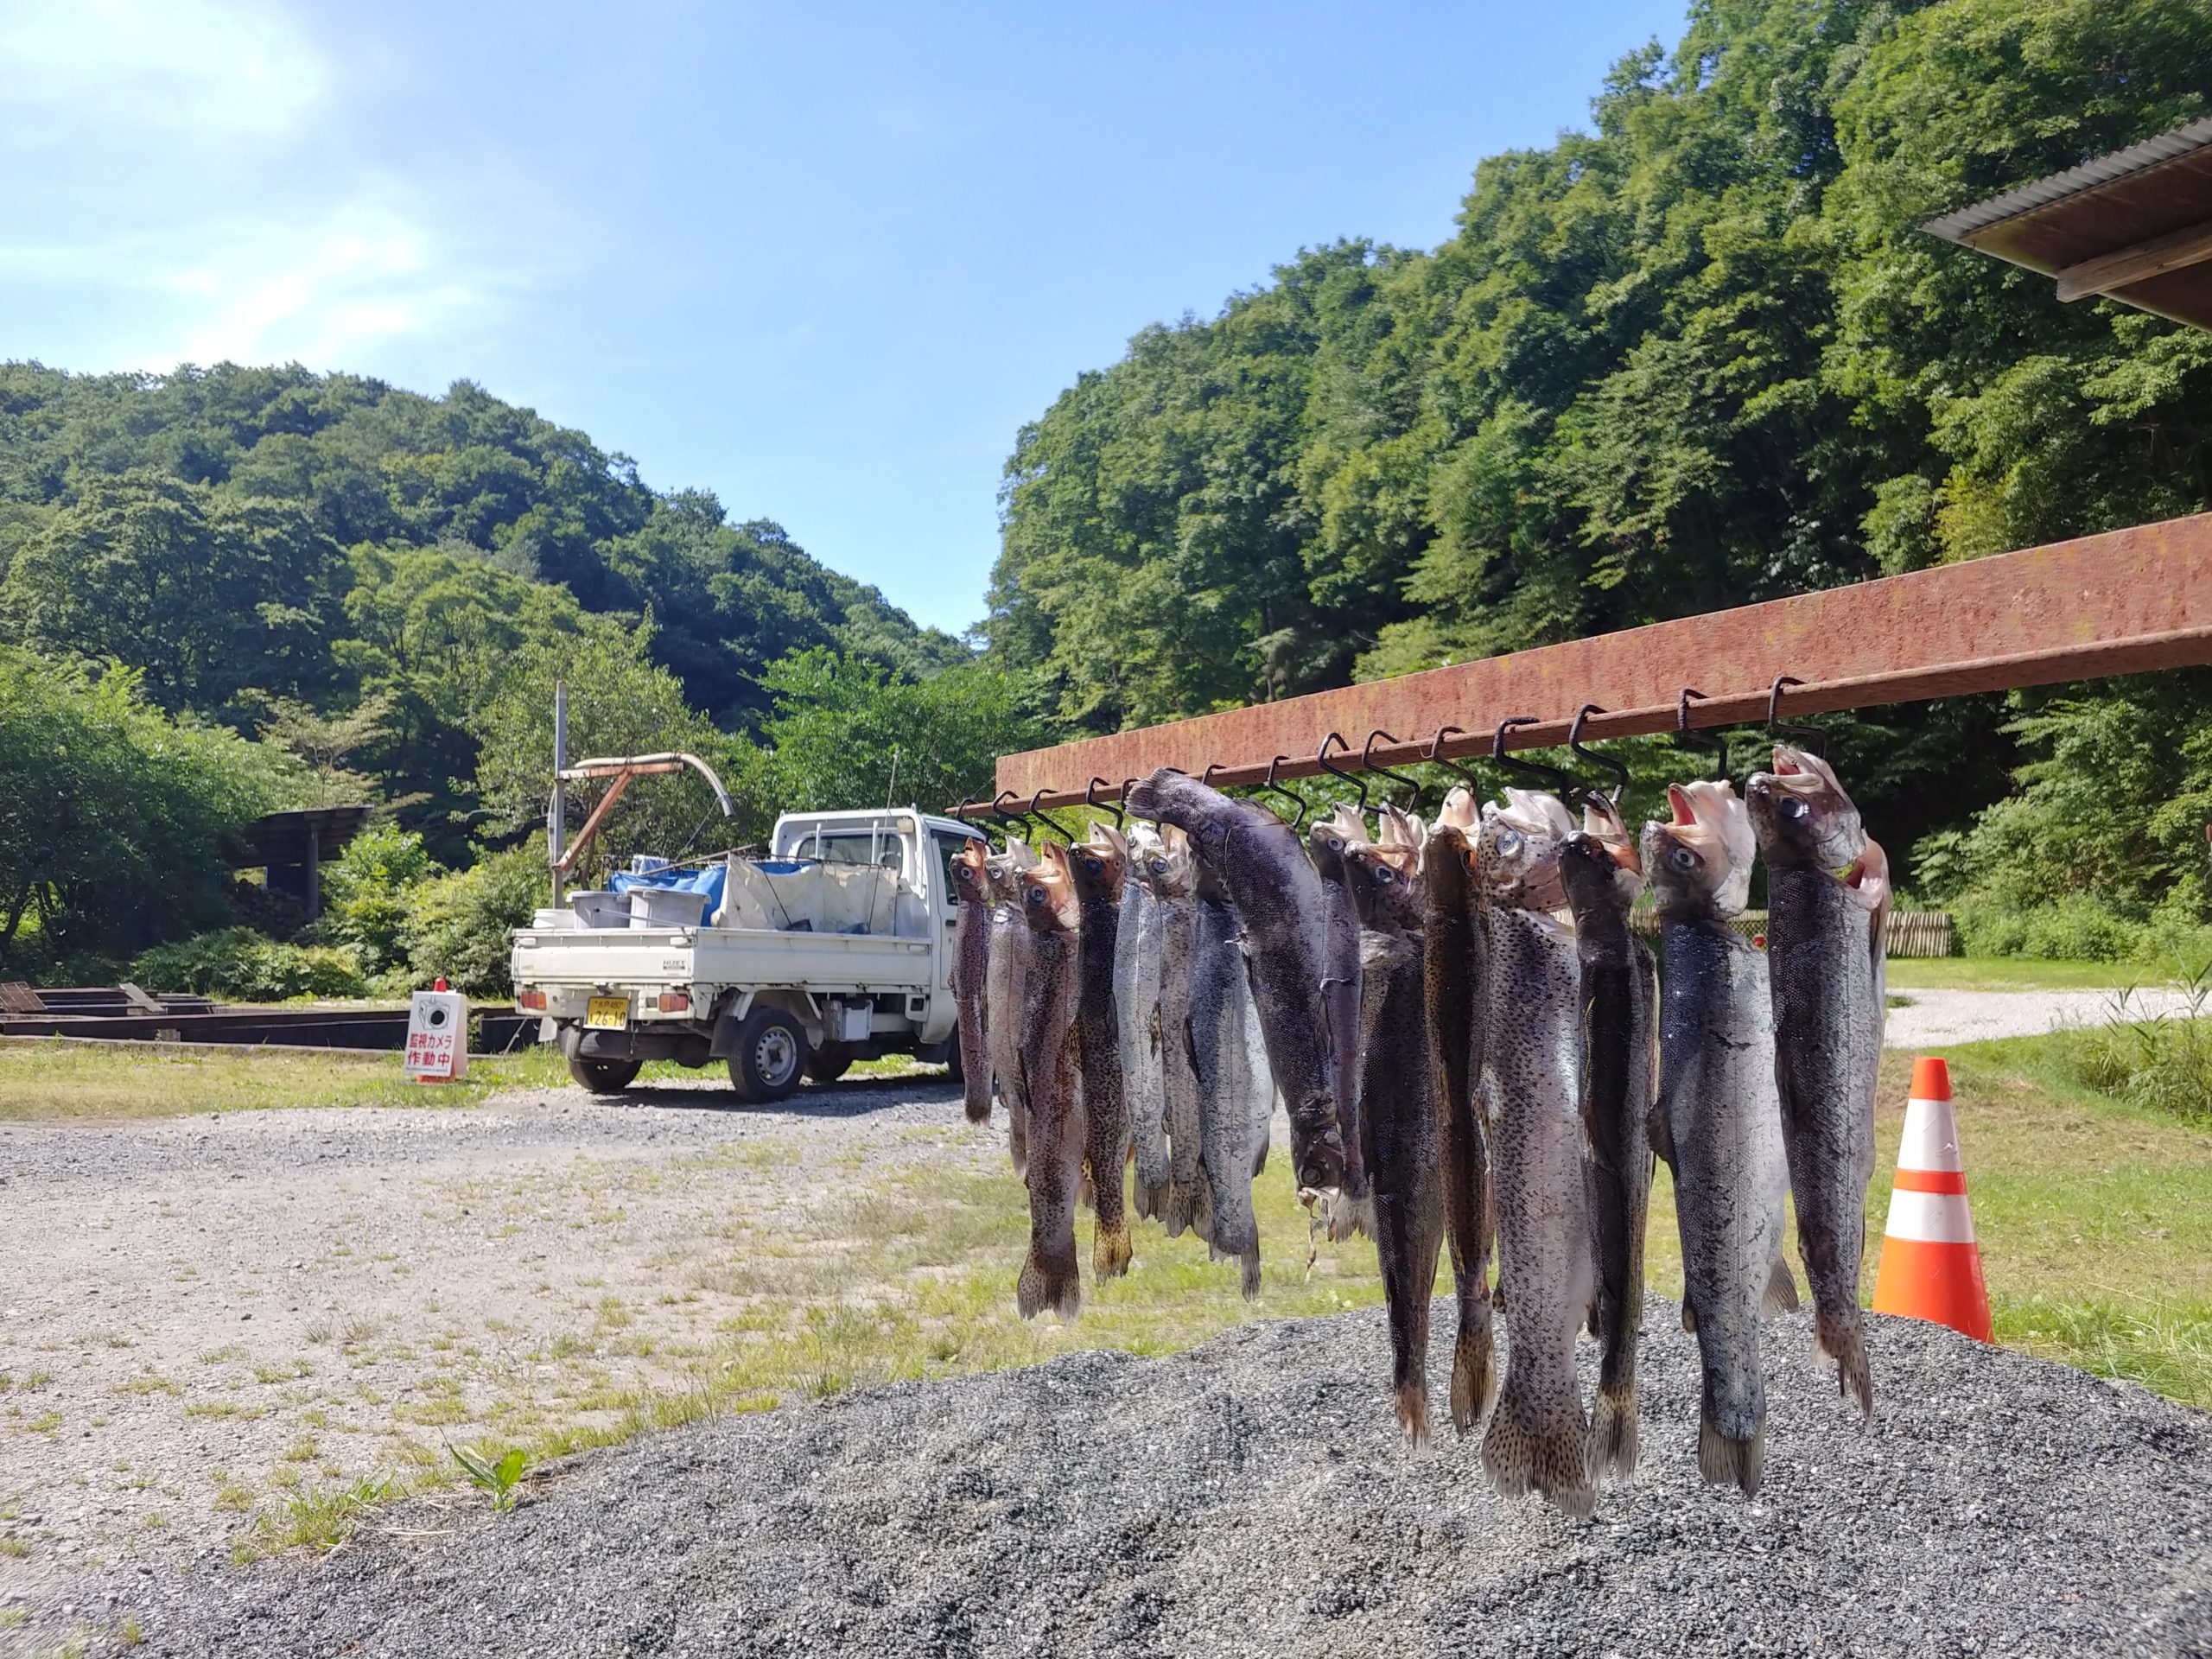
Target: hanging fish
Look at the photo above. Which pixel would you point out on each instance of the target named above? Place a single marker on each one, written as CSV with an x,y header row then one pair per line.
x,y
1051,993
1603,876
1097,867
1265,874
971,948
1137,941
1718,1122
1221,1062
1325,843
1538,1436
1455,948
1827,902
1402,1119
1004,980
1172,874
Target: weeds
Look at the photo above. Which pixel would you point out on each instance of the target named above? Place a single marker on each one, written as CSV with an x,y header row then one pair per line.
x,y
501,1481
317,1517
2159,1061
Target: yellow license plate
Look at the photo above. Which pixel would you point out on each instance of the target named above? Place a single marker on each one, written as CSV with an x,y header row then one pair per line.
x,y
607,1013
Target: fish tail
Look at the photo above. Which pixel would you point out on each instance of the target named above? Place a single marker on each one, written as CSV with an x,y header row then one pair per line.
x,y
1086,1191
1109,1247
1349,1215
1250,1278
1152,1201
1781,1291
1017,1135
1178,1212
977,1098
1474,1365
1519,1456
1413,1410
1613,1433
1049,1285
1689,1317
1202,1208
1726,1462
1842,1337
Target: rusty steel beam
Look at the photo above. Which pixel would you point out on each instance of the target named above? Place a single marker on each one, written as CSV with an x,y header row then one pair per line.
x,y
2124,602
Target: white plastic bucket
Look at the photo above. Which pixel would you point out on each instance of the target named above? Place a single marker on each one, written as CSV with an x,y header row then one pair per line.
x,y
602,909
666,907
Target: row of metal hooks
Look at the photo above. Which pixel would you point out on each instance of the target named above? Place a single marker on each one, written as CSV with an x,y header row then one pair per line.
x,y
1570,789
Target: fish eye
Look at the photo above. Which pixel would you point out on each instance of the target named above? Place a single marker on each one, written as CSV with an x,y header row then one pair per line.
x,y
1160,866
1036,895
1682,859
1384,874
1509,842
1793,809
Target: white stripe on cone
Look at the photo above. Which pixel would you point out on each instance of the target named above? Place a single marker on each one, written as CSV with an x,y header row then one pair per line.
x,y
1931,1137
1932,1217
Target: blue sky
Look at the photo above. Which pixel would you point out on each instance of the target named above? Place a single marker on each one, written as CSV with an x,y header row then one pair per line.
x,y
822,259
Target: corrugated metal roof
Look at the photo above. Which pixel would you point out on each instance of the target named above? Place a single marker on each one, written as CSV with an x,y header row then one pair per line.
x,y
2105,169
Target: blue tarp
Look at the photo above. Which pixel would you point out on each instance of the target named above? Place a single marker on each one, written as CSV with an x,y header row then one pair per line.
x,y
707,879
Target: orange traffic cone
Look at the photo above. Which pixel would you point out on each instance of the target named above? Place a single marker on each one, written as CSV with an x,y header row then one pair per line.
x,y
1931,1267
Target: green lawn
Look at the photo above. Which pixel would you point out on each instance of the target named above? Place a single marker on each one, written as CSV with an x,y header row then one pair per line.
x,y
2013,974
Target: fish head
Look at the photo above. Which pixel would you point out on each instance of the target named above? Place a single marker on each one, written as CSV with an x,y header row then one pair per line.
x,y
1399,828
1517,851
1460,810
1448,865
1168,867
1598,864
1097,866
1326,841
1800,814
1048,896
1385,885
971,874
1699,860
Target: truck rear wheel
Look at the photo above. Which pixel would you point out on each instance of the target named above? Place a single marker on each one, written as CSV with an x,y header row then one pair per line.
x,y
828,1063
604,1077
767,1058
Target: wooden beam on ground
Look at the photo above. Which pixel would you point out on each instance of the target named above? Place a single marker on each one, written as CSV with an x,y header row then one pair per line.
x,y
2125,602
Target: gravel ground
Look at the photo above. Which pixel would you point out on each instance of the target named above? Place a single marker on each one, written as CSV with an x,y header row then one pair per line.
x,y
1250,1497
1936,1019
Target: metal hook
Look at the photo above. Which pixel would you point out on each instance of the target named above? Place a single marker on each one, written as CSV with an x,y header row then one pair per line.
x,y
1551,777
1321,759
1090,800
1611,763
1777,728
1297,801
1367,759
1682,735
1463,773
1037,818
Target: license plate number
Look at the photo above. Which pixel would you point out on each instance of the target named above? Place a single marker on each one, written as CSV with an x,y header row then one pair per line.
x,y
607,1013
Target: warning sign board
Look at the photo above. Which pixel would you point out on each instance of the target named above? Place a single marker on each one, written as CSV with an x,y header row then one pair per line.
x,y
437,1037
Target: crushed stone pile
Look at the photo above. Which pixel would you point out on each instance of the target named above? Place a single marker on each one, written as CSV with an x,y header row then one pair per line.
x,y
1252,1497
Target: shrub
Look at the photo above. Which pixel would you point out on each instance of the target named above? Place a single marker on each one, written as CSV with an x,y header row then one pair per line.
x,y
2164,1062
2075,928
242,965
367,893
458,924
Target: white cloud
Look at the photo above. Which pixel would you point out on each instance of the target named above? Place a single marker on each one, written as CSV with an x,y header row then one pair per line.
x,y
183,66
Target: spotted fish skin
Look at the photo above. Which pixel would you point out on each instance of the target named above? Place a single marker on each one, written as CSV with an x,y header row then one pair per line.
x,y
1326,843
1136,1001
1097,867
1265,873
1004,977
1172,874
1718,1122
1603,875
1221,1061
1455,953
1050,1278
971,949
1827,902
1538,1437
1401,1122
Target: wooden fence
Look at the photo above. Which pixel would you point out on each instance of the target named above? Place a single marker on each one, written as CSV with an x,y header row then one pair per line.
x,y
1911,932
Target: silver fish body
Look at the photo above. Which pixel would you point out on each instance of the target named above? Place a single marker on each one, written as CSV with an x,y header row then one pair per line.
x,y
1051,997
1221,1062
971,944
1326,841
1097,868
1136,997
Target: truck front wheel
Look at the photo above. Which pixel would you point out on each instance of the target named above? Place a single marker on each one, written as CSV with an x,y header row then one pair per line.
x,y
767,1058
604,1077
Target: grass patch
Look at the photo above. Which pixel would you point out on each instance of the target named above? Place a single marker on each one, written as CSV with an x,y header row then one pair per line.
x,y
2010,973
316,1517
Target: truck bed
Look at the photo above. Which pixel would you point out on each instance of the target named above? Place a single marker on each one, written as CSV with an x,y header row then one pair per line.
x,y
749,958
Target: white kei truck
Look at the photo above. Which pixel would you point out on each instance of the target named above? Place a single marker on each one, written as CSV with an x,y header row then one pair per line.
x,y
837,947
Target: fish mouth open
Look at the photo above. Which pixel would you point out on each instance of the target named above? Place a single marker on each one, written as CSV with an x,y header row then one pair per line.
x,y
1678,805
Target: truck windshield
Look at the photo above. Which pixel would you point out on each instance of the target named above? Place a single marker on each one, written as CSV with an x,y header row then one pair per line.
x,y
857,847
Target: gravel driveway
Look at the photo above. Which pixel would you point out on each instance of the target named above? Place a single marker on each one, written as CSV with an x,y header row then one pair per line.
x,y
1936,1019
1250,1498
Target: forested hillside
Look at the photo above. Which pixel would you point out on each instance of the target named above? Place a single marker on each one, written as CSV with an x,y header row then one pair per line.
x,y
1697,356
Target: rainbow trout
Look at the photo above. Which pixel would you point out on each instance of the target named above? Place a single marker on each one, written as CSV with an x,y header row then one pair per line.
x,y
971,950
1538,1436
1265,873
1097,868
1136,1001
1172,874
1828,899
1222,1062
1051,993
1401,1121
1453,951
1603,875
1003,987
1326,841
1718,1122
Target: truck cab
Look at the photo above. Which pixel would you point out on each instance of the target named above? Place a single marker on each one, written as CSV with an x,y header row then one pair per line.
x,y
836,947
